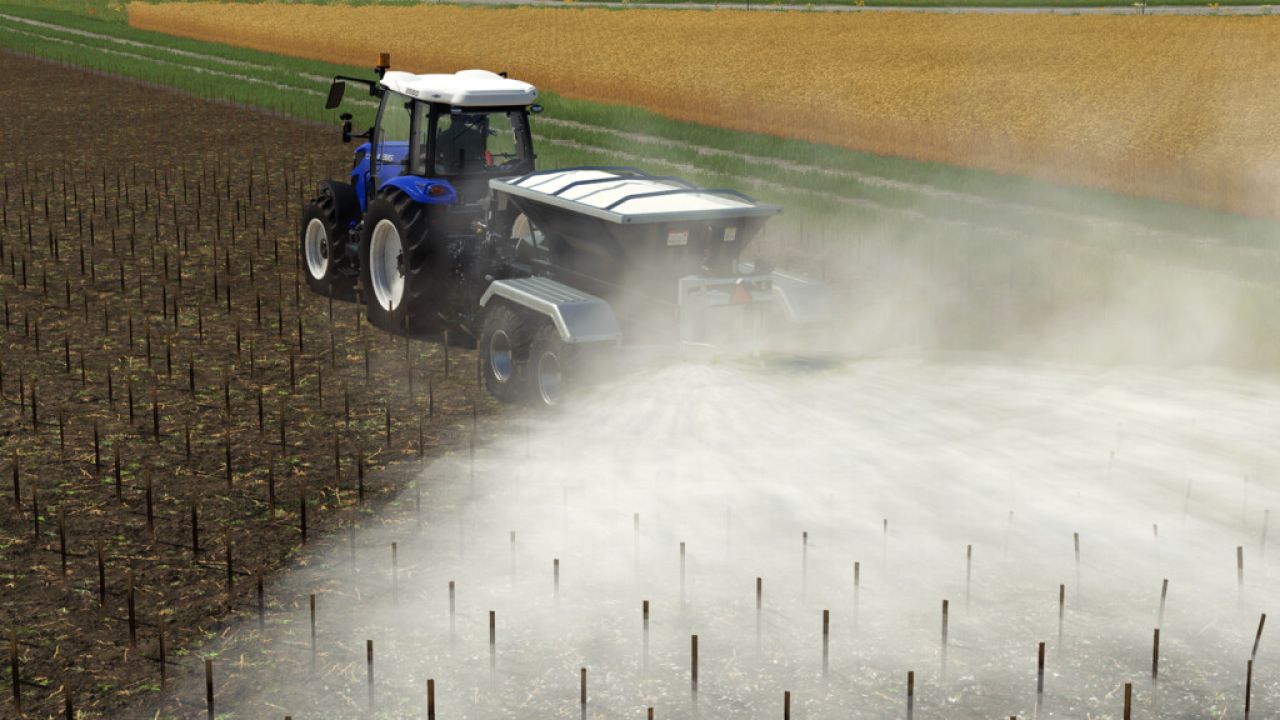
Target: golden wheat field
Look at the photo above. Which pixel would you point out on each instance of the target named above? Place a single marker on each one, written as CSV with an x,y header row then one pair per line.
x,y
1176,107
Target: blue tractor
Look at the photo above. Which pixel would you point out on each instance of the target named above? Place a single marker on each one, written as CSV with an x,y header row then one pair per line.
x,y
445,224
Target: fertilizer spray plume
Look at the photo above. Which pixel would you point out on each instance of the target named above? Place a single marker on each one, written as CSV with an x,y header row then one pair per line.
x,y
682,441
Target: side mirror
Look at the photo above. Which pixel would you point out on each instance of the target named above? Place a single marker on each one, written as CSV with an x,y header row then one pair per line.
x,y
346,127
535,108
336,90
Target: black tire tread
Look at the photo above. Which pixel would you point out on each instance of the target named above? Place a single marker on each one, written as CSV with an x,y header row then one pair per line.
x,y
334,204
416,312
547,338
501,317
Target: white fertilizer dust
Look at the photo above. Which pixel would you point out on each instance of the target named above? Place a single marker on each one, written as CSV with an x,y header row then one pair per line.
x,y
872,491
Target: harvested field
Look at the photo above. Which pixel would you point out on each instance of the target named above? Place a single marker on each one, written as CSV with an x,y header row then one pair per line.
x,y
1177,108
172,401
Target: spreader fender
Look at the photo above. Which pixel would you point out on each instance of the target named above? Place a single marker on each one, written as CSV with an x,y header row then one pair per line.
x,y
804,300
578,317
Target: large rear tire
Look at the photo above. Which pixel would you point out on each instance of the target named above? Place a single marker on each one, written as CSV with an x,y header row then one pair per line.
x,y
323,238
504,351
401,277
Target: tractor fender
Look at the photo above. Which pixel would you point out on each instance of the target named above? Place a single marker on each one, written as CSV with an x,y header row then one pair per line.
x,y
578,317
360,174
346,202
423,190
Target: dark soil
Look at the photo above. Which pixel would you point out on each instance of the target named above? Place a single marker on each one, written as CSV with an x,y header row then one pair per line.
x,y
149,247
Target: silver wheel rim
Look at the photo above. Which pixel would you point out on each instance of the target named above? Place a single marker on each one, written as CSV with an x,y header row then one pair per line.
x,y
385,257
316,245
500,359
549,378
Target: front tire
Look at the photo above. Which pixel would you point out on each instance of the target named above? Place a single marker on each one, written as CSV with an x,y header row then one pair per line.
x,y
322,241
316,246
504,349
399,272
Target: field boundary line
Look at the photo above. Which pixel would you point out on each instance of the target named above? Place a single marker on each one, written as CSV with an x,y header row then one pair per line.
x,y
127,41
863,178
193,68
879,181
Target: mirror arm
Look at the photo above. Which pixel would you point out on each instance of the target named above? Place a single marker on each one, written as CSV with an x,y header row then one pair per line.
x,y
338,86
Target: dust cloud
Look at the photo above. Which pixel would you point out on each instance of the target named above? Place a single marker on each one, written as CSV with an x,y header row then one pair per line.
x,y
796,473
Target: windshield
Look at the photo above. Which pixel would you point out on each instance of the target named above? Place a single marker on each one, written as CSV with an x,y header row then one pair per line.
x,y
479,142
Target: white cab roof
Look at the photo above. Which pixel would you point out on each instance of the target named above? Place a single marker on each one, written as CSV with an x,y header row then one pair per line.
x,y
465,88
623,197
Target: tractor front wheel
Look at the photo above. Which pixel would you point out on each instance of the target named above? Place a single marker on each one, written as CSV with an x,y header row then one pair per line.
x,y
323,240
318,261
504,347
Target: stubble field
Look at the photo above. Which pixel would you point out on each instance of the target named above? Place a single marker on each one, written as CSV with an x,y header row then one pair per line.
x,y
171,400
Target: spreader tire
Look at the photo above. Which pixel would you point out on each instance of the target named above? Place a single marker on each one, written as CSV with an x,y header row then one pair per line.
x,y
402,280
323,238
550,367
504,350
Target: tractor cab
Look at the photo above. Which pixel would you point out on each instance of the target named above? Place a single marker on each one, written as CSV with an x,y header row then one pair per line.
x,y
440,138
404,232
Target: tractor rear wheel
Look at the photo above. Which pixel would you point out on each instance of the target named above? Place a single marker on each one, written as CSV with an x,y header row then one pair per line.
x,y
550,367
504,346
399,271
323,238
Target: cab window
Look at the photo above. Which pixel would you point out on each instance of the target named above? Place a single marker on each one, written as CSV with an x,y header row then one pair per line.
x,y
479,142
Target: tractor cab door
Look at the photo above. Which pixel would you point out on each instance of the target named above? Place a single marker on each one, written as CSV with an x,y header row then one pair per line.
x,y
392,138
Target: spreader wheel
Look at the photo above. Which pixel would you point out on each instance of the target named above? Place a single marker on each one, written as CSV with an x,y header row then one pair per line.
x,y
504,350
550,367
